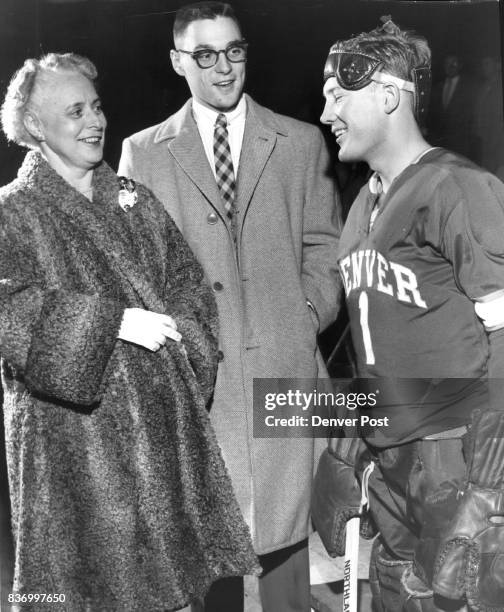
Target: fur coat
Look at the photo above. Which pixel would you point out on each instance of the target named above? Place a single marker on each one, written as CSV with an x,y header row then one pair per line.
x,y
120,498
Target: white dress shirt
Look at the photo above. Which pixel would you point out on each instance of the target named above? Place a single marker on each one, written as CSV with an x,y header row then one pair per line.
x,y
205,119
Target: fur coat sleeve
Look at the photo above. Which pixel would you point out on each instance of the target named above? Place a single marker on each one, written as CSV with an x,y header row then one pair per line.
x,y
60,339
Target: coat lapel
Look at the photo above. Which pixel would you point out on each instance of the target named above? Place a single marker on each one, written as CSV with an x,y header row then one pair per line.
x,y
109,236
103,221
184,143
259,140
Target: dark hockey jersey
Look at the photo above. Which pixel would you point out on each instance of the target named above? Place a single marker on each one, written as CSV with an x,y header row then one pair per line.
x,y
411,278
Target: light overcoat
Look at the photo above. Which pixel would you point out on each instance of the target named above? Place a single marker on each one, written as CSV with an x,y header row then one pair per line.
x,y
288,230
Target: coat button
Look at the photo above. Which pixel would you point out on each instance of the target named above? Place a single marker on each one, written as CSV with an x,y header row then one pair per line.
x,y
220,356
212,218
218,286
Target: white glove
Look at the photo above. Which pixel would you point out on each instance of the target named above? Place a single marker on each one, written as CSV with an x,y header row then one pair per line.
x,y
148,329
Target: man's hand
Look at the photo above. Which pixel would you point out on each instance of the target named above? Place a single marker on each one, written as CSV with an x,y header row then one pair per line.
x,y
147,329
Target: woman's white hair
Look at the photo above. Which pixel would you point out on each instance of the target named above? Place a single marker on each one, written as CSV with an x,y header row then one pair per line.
x,y
18,100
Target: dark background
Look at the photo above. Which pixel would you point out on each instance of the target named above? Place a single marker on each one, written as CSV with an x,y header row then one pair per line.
x,y
129,41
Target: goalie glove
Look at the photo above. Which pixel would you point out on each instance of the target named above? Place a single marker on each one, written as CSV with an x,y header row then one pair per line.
x,y
337,494
470,560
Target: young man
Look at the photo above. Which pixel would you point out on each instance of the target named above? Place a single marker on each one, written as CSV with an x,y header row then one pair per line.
x,y
251,192
422,261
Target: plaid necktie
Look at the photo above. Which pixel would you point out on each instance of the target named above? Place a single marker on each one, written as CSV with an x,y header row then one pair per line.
x,y
224,168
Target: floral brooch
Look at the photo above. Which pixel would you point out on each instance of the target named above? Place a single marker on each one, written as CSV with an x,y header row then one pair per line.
x,y
128,195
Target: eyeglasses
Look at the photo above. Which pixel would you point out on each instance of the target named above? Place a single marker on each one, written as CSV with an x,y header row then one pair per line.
x,y
206,58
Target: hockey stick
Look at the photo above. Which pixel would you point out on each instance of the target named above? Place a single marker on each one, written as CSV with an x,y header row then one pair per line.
x,y
351,571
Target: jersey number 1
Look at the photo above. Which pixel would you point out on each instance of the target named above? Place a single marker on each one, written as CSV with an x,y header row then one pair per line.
x,y
364,323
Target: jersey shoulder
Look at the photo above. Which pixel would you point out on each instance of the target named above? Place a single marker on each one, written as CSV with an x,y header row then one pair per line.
x,y
458,175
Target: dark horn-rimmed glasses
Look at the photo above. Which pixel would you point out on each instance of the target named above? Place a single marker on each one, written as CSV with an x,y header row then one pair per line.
x,y
206,58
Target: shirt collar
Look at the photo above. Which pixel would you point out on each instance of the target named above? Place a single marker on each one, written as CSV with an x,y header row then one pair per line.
x,y
209,116
375,184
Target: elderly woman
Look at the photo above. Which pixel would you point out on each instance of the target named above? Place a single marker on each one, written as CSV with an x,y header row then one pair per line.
x,y
120,499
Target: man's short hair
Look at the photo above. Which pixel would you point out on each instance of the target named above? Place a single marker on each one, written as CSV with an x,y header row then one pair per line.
x,y
201,10
401,51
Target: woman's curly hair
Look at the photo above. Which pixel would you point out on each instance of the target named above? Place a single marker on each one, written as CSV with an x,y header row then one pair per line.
x,y
18,99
